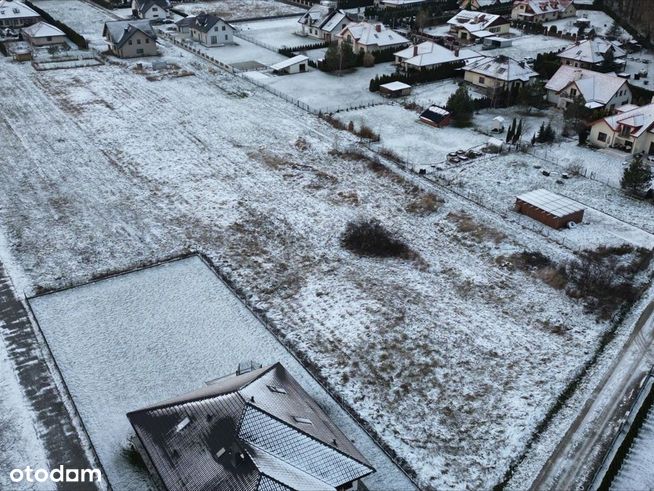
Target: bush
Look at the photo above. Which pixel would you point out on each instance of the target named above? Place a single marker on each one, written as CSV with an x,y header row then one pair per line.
x,y
133,457
637,177
370,238
417,77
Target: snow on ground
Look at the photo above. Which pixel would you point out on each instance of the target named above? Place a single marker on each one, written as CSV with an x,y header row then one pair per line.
x,y
417,143
438,92
600,21
240,9
277,33
449,358
20,445
637,471
529,46
641,63
531,120
242,51
497,180
326,91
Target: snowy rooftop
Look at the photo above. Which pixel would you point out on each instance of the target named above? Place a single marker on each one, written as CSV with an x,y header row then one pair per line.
x,y
429,53
15,10
640,119
502,68
591,51
401,2
595,87
395,86
550,202
540,7
377,34
265,415
42,30
290,62
474,21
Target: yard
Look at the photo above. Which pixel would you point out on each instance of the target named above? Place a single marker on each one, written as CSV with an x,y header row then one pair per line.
x,y
240,9
276,33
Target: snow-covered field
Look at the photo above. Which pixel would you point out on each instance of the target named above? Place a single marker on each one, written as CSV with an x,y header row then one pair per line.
x,y
19,442
325,91
417,143
191,329
276,33
240,9
438,92
637,471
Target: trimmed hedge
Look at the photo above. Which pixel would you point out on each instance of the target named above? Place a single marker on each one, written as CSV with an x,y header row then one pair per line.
x,y
417,77
73,35
290,52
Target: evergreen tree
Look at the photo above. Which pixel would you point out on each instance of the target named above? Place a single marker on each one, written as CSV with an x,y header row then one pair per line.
x,y
637,177
518,133
510,132
461,106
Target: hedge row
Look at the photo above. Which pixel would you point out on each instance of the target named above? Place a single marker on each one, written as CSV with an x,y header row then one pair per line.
x,y
290,52
417,77
73,35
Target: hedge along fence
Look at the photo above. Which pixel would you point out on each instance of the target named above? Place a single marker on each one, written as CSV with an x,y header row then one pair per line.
x,y
73,35
417,77
290,52
380,56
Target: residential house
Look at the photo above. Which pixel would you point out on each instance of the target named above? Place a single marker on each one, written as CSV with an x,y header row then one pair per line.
x,y
631,130
482,4
130,38
429,56
43,34
592,54
468,25
598,90
15,14
399,4
368,38
296,64
151,9
324,22
211,30
499,73
539,11
256,429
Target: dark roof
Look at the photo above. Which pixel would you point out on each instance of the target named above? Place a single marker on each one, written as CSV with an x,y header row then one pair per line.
x,y
434,114
118,32
247,432
145,5
204,22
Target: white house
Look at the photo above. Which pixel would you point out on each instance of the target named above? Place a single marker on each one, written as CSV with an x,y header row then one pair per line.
x,y
209,30
16,14
151,9
539,11
429,56
468,25
632,130
368,38
395,4
499,73
130,38
324,22
591,53
598,90
481,4
43,34
296,64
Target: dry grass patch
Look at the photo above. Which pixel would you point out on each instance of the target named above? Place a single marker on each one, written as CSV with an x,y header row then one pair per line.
x,y
467,225
425,204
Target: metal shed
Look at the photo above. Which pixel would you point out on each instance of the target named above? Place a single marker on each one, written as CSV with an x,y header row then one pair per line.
x,y
395,89
550,208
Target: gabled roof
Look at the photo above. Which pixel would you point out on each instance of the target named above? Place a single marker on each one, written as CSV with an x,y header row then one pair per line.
x,y
242,430
539,7
145,5
204,22
502,68
552,203
435,114
376,34
473,21
15,10
324,18
289,62
429,53
333,21
314,15
118,32
591,51
594,87
42,30
640,120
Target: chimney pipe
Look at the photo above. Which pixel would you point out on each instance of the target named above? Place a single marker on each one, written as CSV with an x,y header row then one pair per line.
x,y
456,51
378,27
415,50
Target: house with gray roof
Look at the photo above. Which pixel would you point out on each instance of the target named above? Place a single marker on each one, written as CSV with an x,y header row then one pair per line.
x,y
151,9
324,22
130,38
256,429
207,29
16,14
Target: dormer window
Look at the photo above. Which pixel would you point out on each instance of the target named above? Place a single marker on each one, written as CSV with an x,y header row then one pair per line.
x,y
182,424
302,420
277,389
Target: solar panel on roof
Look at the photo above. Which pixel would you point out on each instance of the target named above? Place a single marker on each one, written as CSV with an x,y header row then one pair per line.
x,y
557,205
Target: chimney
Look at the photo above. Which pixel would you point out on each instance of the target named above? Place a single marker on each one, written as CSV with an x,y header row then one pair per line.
x,y
456,51
378,27
415,50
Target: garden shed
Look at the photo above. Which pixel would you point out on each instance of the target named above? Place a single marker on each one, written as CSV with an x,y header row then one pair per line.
x,y
435,116
550,208
395,89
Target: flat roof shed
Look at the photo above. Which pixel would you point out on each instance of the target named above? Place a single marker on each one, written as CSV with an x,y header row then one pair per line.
x,y
550,208
395,89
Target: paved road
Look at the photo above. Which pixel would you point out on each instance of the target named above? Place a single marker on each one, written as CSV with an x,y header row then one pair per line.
x,y
579,453
60,439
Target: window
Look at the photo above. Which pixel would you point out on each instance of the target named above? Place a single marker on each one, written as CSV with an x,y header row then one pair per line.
x,y
182,424
482,80
139,51
155,9
130,42
49,38
214,40
277,389
223,28
226,37
138,41
304,421
215,28
601,136
147,40
573,92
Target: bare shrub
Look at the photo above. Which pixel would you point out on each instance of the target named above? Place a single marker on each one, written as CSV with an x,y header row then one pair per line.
x,y
367,132
575,169
302,144
425,204
481,233
370,238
